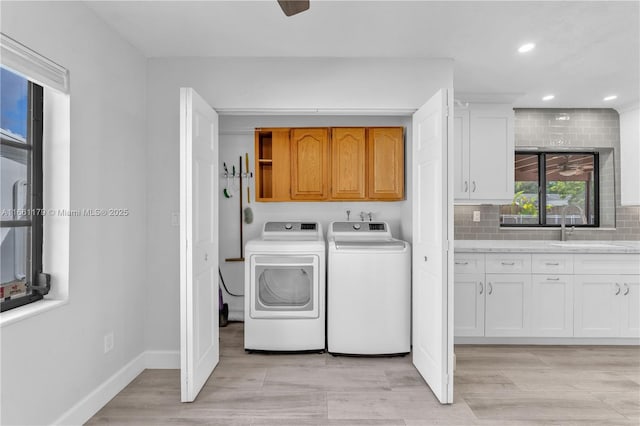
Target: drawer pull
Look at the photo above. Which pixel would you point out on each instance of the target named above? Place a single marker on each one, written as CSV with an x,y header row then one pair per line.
x,y
481,288
490,288
462,263
474,186
618,289
508,263
626,289
553,279
552,263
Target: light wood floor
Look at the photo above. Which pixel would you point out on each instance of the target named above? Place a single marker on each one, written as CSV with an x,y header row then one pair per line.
x,y
494,385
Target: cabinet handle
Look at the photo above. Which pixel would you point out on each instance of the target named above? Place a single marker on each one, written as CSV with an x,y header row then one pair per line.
x,y
553,279
490,288
466,186
552,263
462,263
626,289
481,287
618,289
508,263
474,186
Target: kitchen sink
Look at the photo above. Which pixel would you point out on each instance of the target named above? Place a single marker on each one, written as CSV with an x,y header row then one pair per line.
x,y
571,244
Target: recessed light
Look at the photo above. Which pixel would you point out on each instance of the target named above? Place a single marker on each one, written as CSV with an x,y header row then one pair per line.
x,y
610,98
548,97
526,47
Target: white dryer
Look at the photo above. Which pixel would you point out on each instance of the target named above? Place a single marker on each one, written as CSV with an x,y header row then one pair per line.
x,y
285,288
368,290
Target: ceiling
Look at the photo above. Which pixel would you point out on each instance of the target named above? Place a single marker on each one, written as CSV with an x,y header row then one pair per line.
x,y
584,50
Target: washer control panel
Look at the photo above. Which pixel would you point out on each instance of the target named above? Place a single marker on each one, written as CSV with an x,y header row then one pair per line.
x,y
339,227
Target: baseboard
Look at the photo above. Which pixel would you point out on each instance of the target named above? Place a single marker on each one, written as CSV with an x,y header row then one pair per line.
x,y
92,403
597,341
162,359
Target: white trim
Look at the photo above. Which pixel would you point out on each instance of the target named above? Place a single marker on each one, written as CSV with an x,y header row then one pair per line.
x,y
162,360
32,65
317,111
84,409
88,406
598,341
27,311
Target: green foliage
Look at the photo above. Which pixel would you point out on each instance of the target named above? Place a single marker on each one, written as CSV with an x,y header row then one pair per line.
x,y
572,191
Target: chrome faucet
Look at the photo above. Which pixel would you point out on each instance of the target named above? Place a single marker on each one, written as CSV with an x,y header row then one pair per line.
x,y
563,222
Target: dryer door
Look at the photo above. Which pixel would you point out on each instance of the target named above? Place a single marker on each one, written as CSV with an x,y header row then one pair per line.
x,y
284,286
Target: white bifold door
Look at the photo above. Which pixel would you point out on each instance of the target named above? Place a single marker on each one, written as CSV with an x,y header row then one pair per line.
x,y
199,341
432,281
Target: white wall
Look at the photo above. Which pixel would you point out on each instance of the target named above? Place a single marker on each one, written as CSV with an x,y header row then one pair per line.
x,y
257,83
53,360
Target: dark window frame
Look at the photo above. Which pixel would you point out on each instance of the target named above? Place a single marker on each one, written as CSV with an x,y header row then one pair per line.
x,y
542,190
37,282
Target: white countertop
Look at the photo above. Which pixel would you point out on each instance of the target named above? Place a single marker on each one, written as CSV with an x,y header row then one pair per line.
x,y
537,246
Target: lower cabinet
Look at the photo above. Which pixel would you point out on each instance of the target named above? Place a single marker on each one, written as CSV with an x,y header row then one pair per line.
x,y
493,301
507,305
469,290
552,305
607,306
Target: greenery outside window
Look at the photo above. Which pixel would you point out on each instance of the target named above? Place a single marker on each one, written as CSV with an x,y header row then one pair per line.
x,y
553,185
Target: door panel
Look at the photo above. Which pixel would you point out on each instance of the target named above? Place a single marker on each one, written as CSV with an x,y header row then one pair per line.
x,y
348,161
199,346
309,164
386,163
552,305
432,282
506,305
596,306
630,312
469,305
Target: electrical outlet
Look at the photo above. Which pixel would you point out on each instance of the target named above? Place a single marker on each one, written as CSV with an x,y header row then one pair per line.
x,y
108,342
476,216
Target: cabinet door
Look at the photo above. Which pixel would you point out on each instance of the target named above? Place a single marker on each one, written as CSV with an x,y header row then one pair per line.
x,y
491,153
552,306
309,164
629,297
461,155
348,171
386,163
469,292
596,306
507,305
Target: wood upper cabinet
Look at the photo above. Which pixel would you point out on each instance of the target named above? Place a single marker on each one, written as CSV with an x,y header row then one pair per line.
x,y
309,163
273,171
385,147
348,163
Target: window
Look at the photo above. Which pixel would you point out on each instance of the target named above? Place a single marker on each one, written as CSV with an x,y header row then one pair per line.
x,y
21,125
553,185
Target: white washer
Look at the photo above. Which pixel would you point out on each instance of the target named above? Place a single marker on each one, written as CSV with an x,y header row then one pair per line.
x,y
368,290
285,286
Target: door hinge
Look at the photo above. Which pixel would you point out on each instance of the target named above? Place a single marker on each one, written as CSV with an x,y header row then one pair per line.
x,y
447,111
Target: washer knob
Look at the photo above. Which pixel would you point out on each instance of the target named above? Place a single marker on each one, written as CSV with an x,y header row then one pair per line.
x,y
288,226
356,226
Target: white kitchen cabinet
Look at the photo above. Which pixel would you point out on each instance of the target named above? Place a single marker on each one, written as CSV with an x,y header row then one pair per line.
x,y
507,305
630,156
469,295
607,306
630,309
552,305
484,154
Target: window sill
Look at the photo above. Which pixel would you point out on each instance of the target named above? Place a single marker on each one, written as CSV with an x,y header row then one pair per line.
x,y
28,311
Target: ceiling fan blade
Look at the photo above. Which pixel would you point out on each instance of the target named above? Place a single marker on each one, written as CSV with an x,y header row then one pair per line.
x,y
292,7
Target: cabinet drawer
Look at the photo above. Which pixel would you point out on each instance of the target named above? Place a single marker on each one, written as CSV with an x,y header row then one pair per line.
x,y
552,263
468,263
606,264
503,263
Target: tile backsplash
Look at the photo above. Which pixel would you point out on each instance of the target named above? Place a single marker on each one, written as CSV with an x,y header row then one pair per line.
x,y
542,128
